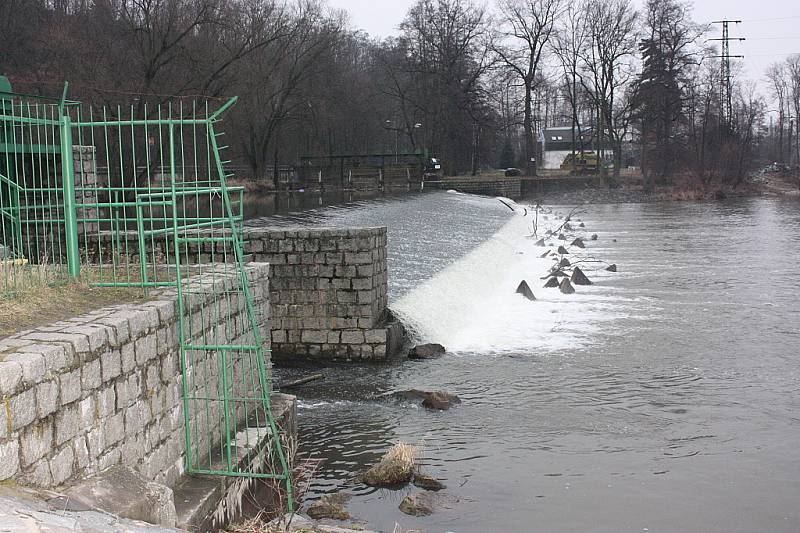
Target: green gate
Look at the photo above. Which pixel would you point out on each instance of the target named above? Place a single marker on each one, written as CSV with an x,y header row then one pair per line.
x,y
137,196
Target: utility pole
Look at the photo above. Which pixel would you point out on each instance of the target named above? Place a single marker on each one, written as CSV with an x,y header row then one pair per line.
x,y
725,82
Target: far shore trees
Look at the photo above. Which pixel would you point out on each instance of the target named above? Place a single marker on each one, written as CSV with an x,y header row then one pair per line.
x,y
472,83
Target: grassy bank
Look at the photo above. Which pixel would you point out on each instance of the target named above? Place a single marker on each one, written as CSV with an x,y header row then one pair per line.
x,y
37,304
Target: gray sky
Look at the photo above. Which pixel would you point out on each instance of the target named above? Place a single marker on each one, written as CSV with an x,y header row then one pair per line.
x,y
770,26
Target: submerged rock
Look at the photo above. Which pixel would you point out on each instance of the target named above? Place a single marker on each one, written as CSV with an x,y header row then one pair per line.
x,y
579,278
424,481
594,236
581,225
561,237
545,254
426,351
418,504
579,243
440,401
567,227
612,268
566,287
525,290
330,506
551,283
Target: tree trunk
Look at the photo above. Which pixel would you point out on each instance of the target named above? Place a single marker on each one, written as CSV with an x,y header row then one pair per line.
x,y
530,145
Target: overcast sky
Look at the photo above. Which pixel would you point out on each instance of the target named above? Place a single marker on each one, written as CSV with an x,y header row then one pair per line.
x,y
770,26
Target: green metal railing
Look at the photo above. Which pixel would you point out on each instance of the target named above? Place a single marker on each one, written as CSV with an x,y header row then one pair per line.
x,y
137,196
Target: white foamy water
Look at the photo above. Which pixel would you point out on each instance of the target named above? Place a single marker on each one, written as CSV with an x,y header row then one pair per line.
x,y
471,306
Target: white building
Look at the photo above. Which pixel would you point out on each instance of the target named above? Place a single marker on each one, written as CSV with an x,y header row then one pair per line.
x,y
557,144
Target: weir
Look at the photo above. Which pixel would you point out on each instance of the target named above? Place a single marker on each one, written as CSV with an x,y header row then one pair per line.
x,y
472,305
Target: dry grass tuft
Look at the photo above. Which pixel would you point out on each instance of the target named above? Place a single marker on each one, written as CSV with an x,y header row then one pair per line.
x,y
39,303
395,467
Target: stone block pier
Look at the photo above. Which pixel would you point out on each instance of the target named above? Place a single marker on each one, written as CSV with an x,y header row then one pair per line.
x,y
328,293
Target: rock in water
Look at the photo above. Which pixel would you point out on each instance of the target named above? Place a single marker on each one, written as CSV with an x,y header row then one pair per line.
x,y
567,227
417,505
440,401
579,278
562,250
612,268
426,351
395,468
566,287
551,283
564,262
561,237
540,242
424,481
525,290
594,236
545,254
581,225
578,242
330,506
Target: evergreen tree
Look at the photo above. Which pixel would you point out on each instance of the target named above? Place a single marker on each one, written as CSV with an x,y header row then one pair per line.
x,y
658,99
507,157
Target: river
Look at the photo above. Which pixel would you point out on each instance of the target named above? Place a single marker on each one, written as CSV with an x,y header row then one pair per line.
x,y
665,397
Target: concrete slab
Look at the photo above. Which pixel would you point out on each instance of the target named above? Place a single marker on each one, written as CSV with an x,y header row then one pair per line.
x,y
23,510
126,493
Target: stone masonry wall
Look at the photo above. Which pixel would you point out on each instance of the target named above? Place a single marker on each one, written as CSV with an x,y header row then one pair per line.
x,y
328,292
104,388
507,187
328,288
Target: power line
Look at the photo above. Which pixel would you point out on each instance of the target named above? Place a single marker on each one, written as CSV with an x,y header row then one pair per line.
x,y
725,85
773,38
773,19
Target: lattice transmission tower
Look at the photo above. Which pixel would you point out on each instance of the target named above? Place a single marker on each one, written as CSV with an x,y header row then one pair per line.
x,y
726,104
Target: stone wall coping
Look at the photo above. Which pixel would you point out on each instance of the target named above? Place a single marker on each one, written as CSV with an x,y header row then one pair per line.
x,y
29,357
305,232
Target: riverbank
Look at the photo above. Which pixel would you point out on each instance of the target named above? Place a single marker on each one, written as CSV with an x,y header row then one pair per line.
x,y
631,191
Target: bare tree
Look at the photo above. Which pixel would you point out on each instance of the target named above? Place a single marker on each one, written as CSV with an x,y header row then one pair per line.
x,y
272,80
779,87
528,26
569,43
793,74
608,70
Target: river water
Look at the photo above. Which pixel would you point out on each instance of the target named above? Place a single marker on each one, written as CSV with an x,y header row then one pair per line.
x,y
665,397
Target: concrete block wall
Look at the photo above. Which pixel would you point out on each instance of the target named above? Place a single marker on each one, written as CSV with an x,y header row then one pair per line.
x,y
86,188
507,187
328,292
104,388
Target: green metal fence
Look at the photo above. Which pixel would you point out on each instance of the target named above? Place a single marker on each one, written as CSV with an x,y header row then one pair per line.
x,y
138,196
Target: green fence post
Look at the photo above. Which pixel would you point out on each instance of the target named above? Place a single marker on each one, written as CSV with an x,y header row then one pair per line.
x,y
68,187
